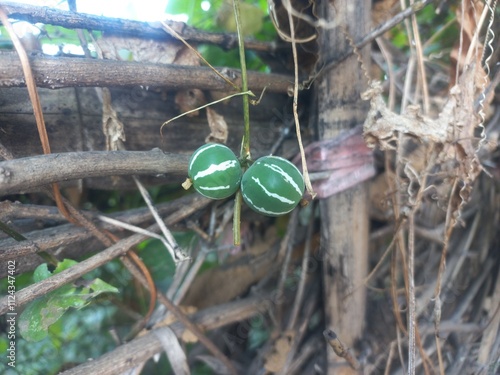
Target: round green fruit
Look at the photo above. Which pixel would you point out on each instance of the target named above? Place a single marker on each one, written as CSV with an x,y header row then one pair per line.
x,y
215,171
272,186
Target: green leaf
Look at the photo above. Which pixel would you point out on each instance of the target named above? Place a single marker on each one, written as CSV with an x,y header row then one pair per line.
x,y
58,35
257,337
64,265
196,15
158,261
40,314
41,273
43,312
181,7
251,22
99,286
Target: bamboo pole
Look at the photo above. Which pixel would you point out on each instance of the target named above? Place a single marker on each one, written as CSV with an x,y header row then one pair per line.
x,y
344,224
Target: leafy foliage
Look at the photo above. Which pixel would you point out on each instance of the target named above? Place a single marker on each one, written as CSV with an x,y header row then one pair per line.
x,y
82,334
218,19
156,258
211,19
40,314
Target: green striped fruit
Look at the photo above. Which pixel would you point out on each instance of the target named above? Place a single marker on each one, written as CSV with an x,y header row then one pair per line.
x,y
272,186
215,171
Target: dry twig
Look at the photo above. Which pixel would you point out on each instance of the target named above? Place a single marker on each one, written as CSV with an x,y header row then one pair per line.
x,y
142,348
61,72
130,28
32,173
340,349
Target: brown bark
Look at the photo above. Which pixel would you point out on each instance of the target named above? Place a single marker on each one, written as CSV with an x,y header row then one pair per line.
x,y
130,28
68,240
345,215
57,72
73,117
40,288
144,347
29,174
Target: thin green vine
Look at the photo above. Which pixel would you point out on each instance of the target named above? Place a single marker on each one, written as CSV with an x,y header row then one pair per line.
x,y
237,218
245,142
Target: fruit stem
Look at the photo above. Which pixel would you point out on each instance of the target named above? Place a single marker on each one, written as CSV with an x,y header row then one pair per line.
x,y
245,143
237,218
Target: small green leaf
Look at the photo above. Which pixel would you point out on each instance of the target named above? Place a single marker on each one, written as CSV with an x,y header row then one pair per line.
x,y
64,265
40,314
41,273
43,312
99,286
158,261
251,22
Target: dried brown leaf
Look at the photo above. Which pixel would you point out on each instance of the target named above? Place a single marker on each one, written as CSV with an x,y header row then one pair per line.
x,y
112,127
135,49
276,358
218,127
382,125
243,269
186,56
379,197
187,100
451,136
462,123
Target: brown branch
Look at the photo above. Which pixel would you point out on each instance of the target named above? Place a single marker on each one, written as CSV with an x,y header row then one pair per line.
x,y
192,327
141,349
146,30
35,101
28,78
39,289
51,238
58,72
17,210
27,174
144,277
340,349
